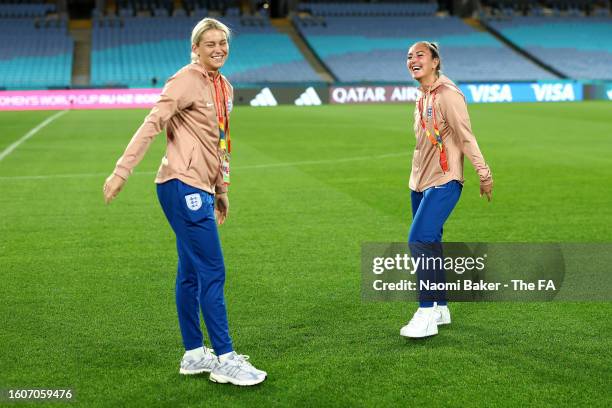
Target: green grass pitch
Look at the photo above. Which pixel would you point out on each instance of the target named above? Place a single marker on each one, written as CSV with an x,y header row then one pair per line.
x,y
87,292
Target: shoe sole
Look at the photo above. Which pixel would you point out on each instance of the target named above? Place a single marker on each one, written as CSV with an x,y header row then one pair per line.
x,y
419,337
432,332
221,379
194,372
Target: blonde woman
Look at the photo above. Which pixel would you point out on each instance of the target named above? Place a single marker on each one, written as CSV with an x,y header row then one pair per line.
x,y
443,138
192,180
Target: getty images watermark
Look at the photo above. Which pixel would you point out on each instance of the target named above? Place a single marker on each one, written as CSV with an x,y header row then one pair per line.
x,y
487,271
459,265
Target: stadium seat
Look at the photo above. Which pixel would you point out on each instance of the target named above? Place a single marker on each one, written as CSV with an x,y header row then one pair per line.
x,y
374,48
139,54
35,51
578,47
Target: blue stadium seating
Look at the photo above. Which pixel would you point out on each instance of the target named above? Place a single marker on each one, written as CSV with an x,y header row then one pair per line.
x,y
579,47
362,42
374,48
134,50
35,53
346,9
14,10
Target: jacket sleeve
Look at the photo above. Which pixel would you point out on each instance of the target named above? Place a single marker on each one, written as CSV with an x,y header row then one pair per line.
x,y
220,186
454,110
176,95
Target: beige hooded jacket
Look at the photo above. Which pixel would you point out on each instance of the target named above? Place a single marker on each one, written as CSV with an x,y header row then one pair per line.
x,y
187,109
450,111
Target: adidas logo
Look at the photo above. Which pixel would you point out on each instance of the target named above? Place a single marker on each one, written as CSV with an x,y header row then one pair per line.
x,y
264,98
610,94
308,98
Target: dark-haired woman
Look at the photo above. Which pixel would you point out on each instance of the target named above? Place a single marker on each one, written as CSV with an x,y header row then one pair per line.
x,y
443,137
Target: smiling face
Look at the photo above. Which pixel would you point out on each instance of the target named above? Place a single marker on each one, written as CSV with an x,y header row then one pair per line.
x,y
421,64
212,50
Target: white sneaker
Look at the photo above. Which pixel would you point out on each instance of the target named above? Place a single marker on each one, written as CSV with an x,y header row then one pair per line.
x,y
237,370
424,323
445,317
257,370
196,365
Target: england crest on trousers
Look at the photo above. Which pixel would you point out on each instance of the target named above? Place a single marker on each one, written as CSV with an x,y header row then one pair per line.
x,y
194,201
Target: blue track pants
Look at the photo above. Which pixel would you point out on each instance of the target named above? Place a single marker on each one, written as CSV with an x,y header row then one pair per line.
x,y
201,270
430,210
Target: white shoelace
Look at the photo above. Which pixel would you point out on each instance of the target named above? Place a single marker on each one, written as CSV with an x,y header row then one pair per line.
x,y
243,360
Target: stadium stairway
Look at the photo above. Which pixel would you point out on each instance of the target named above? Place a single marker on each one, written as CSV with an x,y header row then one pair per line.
x,y
285,26
475,24
80,30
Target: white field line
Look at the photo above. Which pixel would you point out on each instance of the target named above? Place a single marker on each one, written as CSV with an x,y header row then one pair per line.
x,y
31,133
247,167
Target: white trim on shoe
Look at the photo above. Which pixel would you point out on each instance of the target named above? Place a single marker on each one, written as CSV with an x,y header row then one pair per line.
x,y
224,379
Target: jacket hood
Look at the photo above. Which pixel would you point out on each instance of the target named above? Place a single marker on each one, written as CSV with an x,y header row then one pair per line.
x,y
442,80
197,67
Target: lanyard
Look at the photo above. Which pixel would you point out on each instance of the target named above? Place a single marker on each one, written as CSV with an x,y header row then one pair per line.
x,y
437,140
222,114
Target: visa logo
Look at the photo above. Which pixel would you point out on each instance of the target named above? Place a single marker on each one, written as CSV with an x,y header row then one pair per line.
x,y
553,92
610,94
491,93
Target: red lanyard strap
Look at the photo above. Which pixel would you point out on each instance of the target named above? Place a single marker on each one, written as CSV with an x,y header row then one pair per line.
x,y
222,114
437,140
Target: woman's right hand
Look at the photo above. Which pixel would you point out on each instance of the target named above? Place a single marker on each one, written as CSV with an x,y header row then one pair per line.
x,y
221,207
487,191
112,187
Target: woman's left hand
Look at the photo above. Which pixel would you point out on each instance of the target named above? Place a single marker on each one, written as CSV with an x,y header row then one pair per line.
x,y
487,190
221,207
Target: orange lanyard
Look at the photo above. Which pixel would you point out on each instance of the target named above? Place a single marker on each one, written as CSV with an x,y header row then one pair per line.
x,y
222,114
437,140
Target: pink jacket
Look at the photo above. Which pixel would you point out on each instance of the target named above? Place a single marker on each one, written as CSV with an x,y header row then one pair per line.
x,y
187,109
450,111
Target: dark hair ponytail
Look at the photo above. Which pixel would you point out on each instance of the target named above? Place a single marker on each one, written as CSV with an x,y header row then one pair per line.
x,y
435,53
